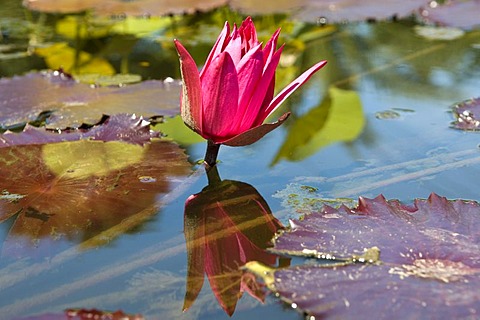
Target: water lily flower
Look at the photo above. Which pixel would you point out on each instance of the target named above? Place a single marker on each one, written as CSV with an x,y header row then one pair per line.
x,y
230,98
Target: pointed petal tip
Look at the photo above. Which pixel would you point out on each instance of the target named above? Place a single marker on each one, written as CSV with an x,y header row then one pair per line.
x,y
294,85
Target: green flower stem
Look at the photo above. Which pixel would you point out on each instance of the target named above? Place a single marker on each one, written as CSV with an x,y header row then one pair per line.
x,y
211,154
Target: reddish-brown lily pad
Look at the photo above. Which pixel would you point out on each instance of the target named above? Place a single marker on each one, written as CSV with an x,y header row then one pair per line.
x,y
454,13
23,98
467,114
68,192
428,262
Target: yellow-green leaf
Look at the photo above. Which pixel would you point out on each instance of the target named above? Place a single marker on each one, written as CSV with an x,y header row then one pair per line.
x,y
338,118
175,129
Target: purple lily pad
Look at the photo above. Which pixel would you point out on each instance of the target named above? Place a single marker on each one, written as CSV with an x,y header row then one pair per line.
x,y
383,291
334,11
121,127
22,98
467,114
434,228
429,262
454,13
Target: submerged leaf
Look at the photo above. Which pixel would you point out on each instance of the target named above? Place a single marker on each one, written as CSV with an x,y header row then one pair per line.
x,y
174,128
60,55
426,250
22,98
71,191
338,118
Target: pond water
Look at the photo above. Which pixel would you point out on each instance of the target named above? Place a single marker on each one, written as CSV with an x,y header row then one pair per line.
x,y
376,120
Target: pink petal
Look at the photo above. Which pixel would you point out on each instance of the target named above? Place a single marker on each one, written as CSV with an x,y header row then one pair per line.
x,y
266,101
191,101
294,85
249,34
234,47
253,135
270,47
254,107
217,47
220,98
249,73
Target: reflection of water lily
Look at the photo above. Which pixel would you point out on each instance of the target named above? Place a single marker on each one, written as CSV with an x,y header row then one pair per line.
x,y
228,101
226,225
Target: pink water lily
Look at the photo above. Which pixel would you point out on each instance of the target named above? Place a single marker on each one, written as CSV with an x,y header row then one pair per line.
x,y
229,99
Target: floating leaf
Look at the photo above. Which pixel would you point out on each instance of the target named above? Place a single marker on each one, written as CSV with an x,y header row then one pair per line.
x,y
379,292
71,191
467,114
338,118
429,228
454,13
333,11
429,261
122,8
104,80
23,98
122,127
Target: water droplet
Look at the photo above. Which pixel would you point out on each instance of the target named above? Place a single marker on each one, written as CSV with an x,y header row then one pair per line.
x,y
294,305
168,80
321,21
433,4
